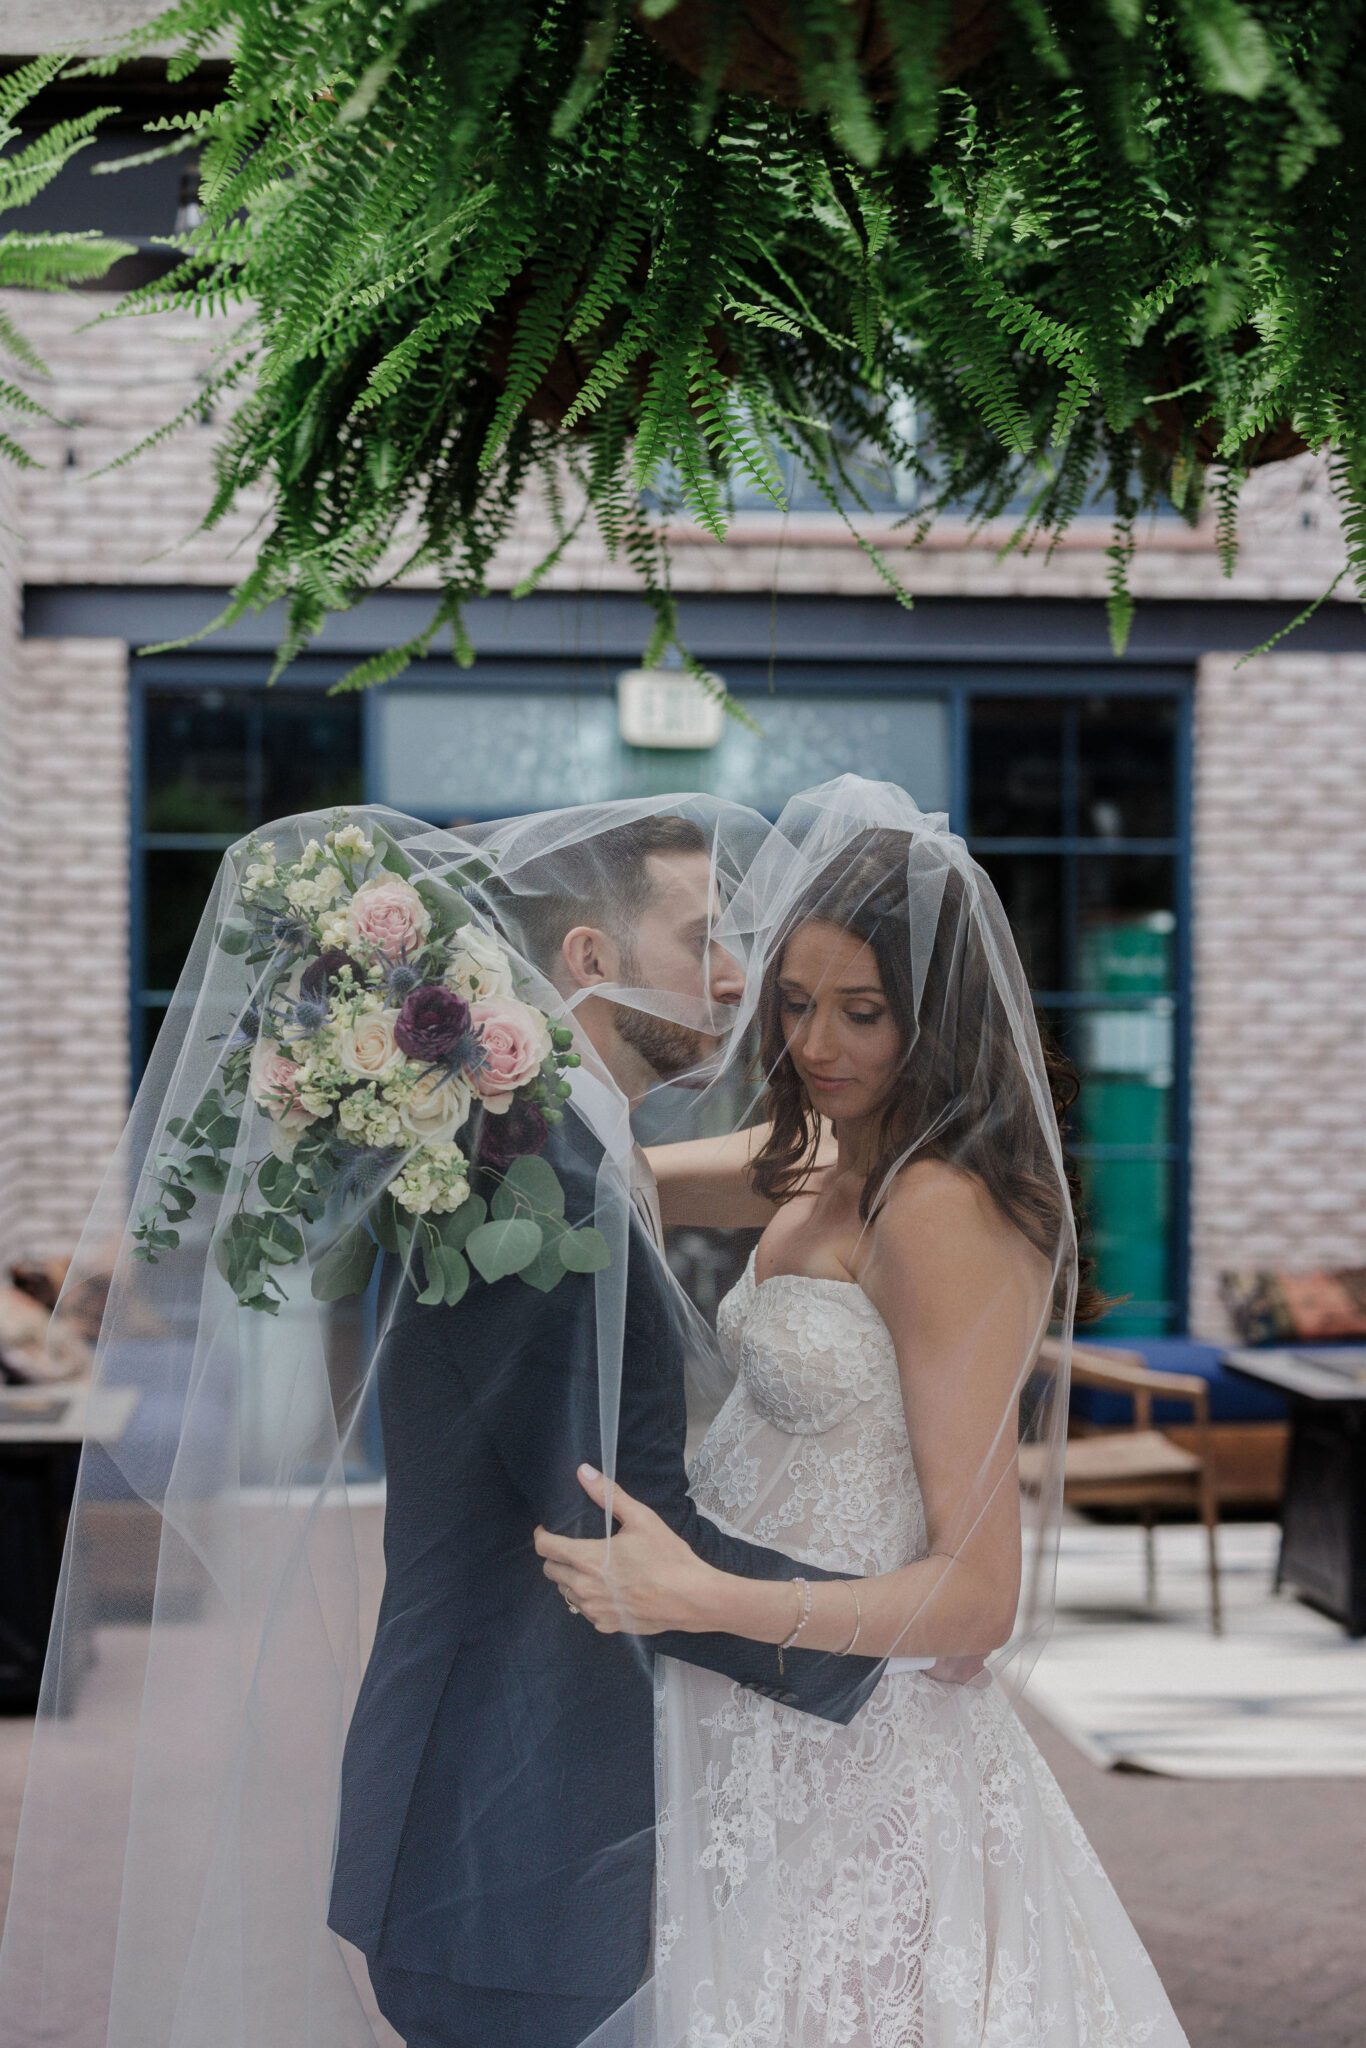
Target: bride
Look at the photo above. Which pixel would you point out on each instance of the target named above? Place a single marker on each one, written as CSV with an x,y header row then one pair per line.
x,y
914,1879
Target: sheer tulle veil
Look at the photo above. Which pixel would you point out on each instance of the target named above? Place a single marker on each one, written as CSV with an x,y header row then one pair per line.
x,y
372,1096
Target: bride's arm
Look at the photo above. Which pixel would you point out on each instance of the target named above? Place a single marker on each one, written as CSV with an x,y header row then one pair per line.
x,y
706,1181
963,1297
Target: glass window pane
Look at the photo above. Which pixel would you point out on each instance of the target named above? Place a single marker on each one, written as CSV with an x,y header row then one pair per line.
x,y
1030,886
1127,768
1125,1058
175,889
1126,1227
196,761
150,1018
1126,924
480,752
1015,764
312,752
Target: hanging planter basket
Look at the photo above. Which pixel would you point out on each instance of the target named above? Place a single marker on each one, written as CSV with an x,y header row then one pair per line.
x,y
573,361
765,44
1186,426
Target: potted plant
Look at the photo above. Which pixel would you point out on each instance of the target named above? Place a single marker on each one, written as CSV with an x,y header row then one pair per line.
x,y
475,247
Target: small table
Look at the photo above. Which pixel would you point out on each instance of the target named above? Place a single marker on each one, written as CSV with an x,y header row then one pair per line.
x,y
1323,1507
42,1429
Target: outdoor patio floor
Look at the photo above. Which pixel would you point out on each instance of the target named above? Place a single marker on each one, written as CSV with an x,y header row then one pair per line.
x,y
1250,1895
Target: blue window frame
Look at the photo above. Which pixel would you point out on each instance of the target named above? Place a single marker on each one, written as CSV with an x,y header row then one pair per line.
x,y
1071,784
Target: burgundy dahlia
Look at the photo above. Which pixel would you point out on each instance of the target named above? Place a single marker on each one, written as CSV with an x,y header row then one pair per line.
x,y
431,1023
519,1130
318,973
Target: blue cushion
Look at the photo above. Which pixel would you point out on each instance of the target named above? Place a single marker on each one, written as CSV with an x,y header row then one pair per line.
x,y
1231,1398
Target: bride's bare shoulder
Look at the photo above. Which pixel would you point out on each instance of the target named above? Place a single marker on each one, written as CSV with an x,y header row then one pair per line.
x,y
933,1209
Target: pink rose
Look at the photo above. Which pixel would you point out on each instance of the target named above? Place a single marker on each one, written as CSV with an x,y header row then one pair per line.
x,y
388,914
515,1043
274,1084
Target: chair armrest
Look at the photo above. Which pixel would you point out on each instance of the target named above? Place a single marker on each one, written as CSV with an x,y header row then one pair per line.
x,y
1128,1372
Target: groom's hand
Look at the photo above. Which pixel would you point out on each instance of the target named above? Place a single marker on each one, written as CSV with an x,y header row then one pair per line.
x,y
640,1582
956,1670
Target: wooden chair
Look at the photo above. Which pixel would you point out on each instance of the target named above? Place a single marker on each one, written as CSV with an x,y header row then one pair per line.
x,y
1137,1466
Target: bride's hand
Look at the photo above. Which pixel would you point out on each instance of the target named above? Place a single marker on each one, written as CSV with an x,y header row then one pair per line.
x,y
646,1581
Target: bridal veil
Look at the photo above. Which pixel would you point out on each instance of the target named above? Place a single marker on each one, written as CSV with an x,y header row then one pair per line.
x,y
362,1098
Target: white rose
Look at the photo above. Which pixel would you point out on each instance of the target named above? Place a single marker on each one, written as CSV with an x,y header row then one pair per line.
x,y
366,1047
437,1107
479,966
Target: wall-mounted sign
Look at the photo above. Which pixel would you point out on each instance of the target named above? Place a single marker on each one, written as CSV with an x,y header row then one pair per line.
x,y
666,707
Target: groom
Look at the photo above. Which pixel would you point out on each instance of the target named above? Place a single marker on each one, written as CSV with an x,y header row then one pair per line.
x,y
497,1828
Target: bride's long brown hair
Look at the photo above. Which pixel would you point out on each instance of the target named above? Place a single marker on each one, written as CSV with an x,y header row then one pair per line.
x,y
963,1094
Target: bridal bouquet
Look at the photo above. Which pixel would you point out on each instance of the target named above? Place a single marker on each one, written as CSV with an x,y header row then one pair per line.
x,y
383,1059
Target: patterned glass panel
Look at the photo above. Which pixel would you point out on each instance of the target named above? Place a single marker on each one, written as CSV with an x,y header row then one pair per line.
x,y
480,752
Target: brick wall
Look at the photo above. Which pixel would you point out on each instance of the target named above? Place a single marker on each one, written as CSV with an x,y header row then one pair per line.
x,y
11,979
68,835
1279,1083
119,381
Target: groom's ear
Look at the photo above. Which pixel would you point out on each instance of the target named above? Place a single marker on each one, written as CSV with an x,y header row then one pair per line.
x,y
589,956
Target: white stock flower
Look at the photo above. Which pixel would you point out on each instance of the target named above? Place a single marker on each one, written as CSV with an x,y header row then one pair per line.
x,y
260,874
351,840
316,892
434,1180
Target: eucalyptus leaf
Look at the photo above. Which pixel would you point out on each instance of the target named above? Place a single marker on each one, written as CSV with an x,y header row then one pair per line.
x,y
384,1222
547,1269
346,1268
281,1243
448,1276
278,1181
206,1173
499,1248
533,1180
460,1224
584,1251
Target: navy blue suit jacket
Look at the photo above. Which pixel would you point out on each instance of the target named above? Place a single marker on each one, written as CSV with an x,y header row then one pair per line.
x,y
496,1823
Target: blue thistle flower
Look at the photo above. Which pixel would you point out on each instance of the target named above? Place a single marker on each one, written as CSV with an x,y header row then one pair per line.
x,y
401,980
290,931
364,1172
248,1028
310,1015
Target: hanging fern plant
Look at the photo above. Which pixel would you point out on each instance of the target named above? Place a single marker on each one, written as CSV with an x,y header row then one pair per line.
x,y
38,261
639,253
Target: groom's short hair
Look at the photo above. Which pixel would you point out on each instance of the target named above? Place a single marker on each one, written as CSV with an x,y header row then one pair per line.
x,y
603,881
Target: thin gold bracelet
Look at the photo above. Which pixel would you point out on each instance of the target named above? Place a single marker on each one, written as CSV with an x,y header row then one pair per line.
x,y
852,1591
803,1587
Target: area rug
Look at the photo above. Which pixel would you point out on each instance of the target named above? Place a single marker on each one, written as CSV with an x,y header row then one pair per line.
x,y
1281,1694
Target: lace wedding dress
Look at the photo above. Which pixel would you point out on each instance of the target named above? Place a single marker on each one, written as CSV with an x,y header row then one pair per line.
x,y
915,1879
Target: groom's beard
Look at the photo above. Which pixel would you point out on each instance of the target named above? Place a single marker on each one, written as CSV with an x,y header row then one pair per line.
x,y
668,1049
